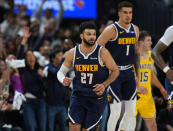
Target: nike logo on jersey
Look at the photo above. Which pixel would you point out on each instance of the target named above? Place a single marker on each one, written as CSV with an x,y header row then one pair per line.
x,y
121,32
99,98
78,58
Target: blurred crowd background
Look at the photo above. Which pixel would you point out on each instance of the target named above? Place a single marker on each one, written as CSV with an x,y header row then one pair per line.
x,y
28,43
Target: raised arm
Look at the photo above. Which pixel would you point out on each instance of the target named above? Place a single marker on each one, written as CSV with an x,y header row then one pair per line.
x,y
26,35
38,12
2,49
109,33
59,15
110,64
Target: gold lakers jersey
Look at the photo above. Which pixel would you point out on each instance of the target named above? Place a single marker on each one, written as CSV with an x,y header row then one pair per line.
x,y
145,104
145,68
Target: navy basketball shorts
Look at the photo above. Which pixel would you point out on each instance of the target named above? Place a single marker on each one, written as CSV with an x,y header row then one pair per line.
x,y
124,87
86,111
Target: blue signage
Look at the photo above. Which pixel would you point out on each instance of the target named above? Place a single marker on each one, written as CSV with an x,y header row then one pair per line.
x,y
72,8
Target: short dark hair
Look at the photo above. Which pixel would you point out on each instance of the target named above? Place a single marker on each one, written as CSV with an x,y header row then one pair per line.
x,y
87,25
53,53
143,34
124,4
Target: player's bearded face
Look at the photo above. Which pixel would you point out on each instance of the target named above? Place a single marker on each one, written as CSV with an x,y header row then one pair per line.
x,y
89,37
89,42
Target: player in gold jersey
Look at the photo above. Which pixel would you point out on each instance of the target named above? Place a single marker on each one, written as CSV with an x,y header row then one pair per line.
x,y
145,104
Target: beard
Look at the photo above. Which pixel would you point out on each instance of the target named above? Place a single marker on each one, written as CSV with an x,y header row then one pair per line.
x,y
87,43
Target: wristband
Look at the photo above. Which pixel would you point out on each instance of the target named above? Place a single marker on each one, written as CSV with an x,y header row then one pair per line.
x,y
172,82
165,69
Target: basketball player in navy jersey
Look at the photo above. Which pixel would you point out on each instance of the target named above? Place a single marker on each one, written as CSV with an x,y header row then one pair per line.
x,y
120,39
94,70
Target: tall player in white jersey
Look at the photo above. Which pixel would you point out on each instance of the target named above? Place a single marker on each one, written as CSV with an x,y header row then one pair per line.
x,y
165,42
120,39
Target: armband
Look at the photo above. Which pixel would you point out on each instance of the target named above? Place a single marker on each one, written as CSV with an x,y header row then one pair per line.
x,y
62,73
165,69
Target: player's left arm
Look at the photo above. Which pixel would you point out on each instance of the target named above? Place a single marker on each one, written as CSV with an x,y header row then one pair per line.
x,y
137,64
156,82
110,64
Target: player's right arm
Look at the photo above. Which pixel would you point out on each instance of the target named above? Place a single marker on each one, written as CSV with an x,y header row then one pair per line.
x,y
109,33
65,67
110,64
162,45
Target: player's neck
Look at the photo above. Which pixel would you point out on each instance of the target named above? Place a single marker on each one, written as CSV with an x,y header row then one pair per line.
x,y
87,49
124,25
143,54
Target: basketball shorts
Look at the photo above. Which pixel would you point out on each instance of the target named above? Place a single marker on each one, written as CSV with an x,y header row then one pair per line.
x,y
146,108
86,111
124,87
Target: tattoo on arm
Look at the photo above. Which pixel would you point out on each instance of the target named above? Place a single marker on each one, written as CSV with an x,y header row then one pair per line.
x,y
137,64
156,55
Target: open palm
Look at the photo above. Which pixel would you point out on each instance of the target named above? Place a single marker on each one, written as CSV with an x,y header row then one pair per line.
x,y
26,32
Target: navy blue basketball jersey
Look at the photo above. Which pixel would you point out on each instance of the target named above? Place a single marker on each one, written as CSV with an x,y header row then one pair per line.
x,y
89,71
122,48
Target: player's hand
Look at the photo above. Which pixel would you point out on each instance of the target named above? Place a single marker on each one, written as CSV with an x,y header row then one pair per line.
x,y
164,93
158,100
99,89
142,90
169,127
169,74
67,81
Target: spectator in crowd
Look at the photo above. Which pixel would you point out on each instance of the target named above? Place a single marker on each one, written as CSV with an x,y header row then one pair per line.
x,y
48,24
11,103
165,118
55,93
8,26
2,49
43,54
34,108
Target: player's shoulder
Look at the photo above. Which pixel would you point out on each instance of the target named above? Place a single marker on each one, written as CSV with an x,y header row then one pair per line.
x,y
170,29
136,27
70,52
110,27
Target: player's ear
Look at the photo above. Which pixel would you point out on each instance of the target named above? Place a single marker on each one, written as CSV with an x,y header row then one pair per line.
x,y
81,36
119,13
